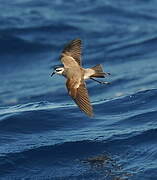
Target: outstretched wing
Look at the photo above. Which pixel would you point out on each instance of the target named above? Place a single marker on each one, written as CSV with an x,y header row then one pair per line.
x,y
73,49
79,93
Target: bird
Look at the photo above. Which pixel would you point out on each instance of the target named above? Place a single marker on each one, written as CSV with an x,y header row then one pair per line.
x,y
72,70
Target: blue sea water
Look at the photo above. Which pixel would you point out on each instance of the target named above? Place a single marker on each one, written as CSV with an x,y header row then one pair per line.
x,y
43,134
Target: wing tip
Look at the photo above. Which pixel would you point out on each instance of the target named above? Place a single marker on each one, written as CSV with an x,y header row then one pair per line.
x,y
88,112
77,39
91,115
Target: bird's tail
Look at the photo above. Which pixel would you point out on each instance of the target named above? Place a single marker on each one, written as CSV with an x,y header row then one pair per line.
x,y
99,71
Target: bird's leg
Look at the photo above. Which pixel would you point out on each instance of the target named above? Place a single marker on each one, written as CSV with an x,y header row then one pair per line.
x,y
101,82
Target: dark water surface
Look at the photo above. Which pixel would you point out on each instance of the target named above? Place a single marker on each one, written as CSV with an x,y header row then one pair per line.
x,y
43,135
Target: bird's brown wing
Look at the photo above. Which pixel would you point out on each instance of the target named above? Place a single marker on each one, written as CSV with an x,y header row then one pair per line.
x,y
73,49
79,94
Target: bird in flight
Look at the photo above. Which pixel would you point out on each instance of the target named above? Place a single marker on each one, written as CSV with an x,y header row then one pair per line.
x,y
76,75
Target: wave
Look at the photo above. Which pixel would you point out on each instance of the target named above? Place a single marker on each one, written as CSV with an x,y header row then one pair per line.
x,y
53,28
129,147
41,112
126,49
56,135
141,100
13,44
32,39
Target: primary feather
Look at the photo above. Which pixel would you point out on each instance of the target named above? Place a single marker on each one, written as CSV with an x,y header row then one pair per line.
x,y
73,49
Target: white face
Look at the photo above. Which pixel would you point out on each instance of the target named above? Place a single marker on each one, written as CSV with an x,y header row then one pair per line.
x,y
59,70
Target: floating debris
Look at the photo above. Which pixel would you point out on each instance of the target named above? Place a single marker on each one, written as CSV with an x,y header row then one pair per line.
x,y
108,167
98,161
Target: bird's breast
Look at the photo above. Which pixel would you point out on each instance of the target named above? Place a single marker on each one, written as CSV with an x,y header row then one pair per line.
x,y
73,73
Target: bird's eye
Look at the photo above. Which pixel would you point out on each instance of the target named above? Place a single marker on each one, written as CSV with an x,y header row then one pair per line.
x,y
58,70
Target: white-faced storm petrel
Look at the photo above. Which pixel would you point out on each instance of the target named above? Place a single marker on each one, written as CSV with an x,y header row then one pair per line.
x,y
76,75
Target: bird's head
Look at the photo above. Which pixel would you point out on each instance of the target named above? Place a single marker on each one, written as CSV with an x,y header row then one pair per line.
x,y
58,70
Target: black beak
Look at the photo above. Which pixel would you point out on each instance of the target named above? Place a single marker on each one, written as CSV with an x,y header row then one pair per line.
x,y
52,74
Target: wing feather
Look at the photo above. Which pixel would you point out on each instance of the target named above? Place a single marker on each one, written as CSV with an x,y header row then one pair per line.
x,y
73,49
80,96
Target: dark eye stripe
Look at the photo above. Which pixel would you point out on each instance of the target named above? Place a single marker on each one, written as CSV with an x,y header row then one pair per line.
x,y
58,70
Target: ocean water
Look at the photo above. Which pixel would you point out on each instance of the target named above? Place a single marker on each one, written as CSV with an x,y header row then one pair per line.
x,y
43,134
